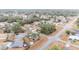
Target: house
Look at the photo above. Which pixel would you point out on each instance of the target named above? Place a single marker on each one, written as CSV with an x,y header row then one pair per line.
x,y
15,44
21,35
6,37
3,36
4,26
61,19
74,37
44,17
18,44
18,41
1,31
3,47
31,27
36,23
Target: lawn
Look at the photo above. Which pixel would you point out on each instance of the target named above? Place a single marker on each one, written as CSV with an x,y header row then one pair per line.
x,y
56,46
76,27
76,43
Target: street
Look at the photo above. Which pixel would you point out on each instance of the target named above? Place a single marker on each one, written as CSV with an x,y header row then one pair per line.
x,y
57,36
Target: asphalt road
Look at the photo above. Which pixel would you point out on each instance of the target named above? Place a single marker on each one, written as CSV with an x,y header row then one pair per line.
x,y
56,37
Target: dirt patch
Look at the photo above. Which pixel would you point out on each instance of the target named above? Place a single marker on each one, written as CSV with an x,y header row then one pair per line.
x,y
39,43
2,41
64,37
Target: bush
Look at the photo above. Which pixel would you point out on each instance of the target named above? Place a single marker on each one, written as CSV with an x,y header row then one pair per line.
x,y
3,18
67,32
13,19
56,47
32,19
73,33
34,36
47,28
17,28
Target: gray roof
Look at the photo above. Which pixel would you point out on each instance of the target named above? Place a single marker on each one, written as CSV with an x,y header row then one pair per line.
x,y
20,35
3,47
16,44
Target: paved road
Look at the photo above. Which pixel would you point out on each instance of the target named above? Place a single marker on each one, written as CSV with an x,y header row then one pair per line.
x,y
57,36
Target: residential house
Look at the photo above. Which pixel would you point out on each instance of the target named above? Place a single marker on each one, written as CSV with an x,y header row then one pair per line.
x,y
44,17
74,37
61,19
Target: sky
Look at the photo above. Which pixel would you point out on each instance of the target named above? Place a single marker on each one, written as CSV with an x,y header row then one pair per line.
x,y
39,4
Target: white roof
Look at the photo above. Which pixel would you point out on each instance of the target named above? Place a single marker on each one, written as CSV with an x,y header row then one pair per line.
x,y
73,37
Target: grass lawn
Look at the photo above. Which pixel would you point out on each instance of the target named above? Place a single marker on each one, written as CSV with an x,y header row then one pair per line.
x,y
76,27
56,46
76,43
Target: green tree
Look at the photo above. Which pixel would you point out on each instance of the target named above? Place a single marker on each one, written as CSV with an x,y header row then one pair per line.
x,y
34,36
13,19
32,19
67,32
3,18
73,33
17,28
47,28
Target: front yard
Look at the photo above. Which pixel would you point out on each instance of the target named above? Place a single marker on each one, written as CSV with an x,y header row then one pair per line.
x,y
56,46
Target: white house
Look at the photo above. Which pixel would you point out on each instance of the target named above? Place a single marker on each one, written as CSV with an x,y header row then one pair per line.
x,y
74,37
